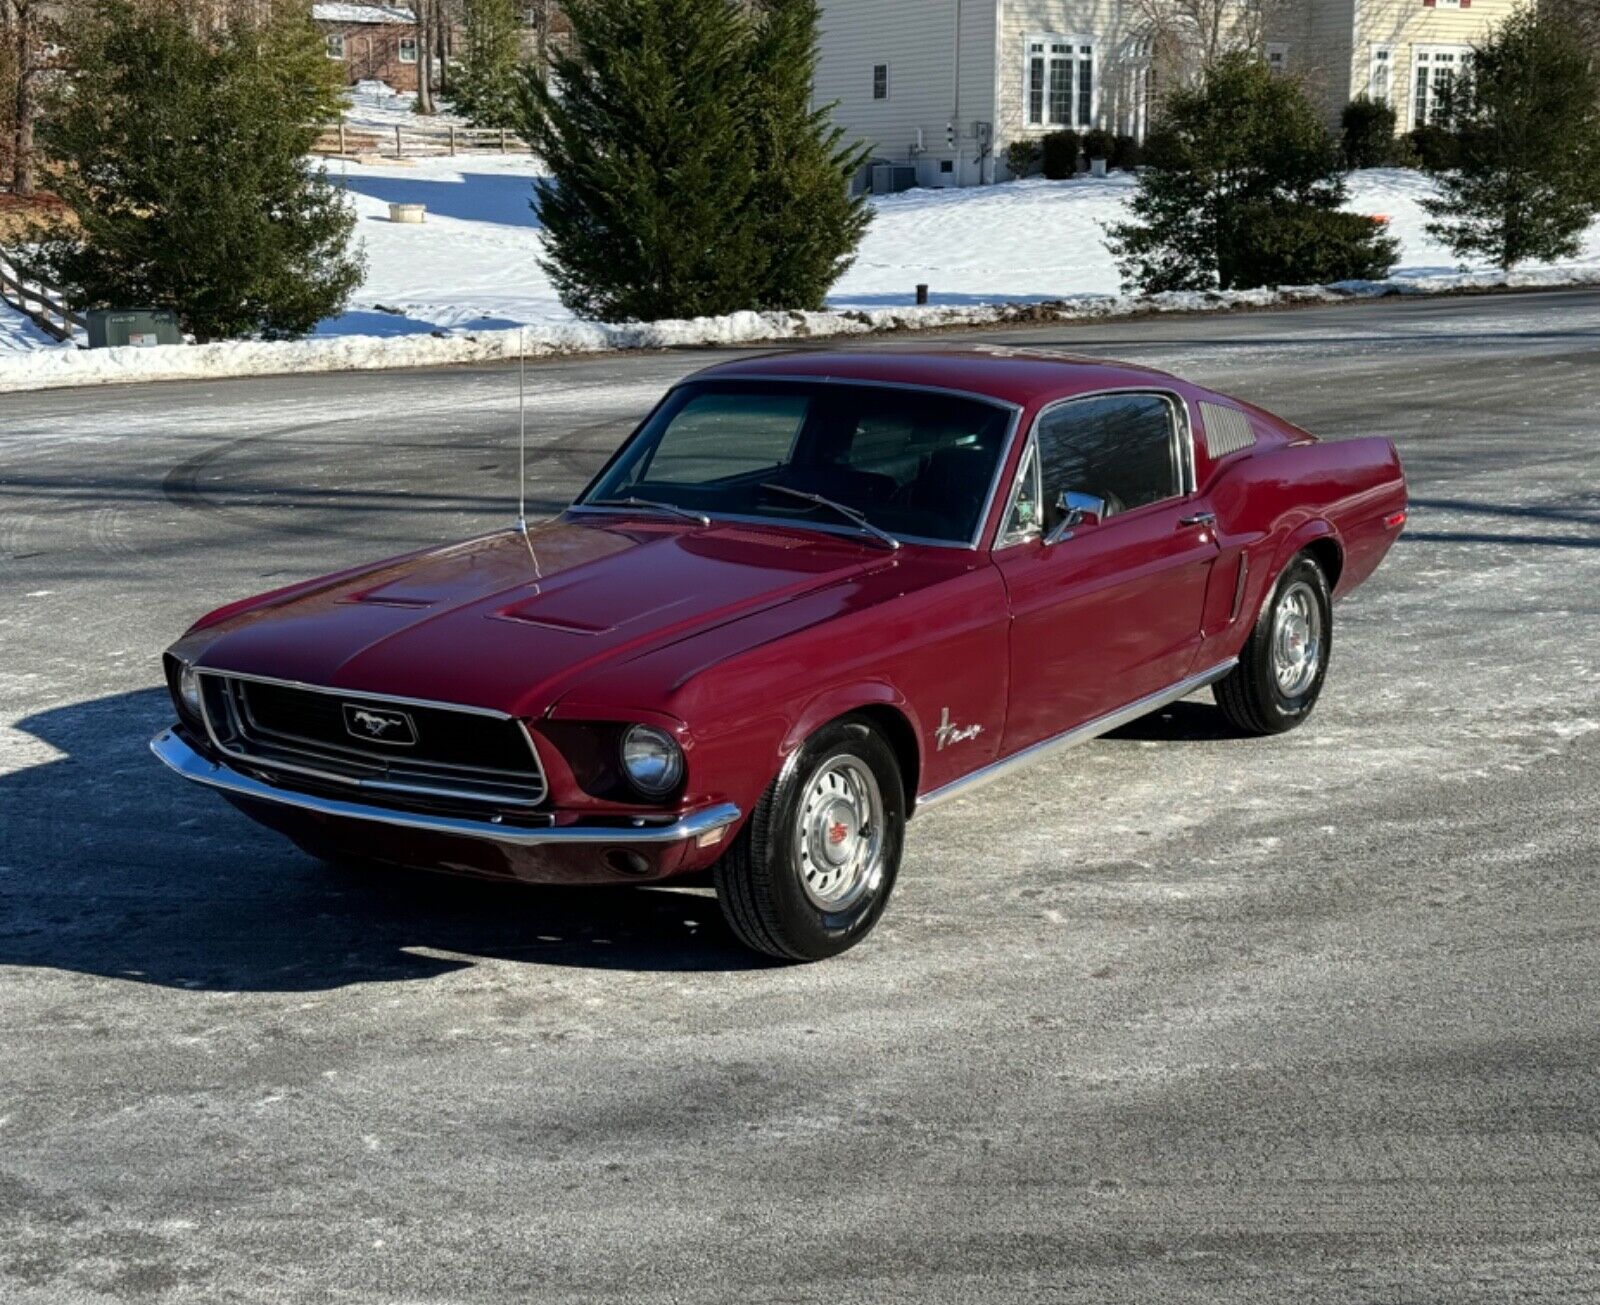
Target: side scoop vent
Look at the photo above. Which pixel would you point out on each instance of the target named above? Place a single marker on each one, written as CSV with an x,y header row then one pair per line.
x,y
1227,430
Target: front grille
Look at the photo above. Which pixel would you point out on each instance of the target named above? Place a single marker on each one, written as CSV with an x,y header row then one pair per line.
x,y
433,751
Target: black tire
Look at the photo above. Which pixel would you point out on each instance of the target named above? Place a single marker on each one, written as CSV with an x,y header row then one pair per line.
x,y
1251,696
760,881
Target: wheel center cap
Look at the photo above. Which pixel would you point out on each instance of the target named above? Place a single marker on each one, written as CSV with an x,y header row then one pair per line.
x,y
1296,638
840,831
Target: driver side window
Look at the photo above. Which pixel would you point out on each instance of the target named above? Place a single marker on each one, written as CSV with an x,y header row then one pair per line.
x,y
1120,448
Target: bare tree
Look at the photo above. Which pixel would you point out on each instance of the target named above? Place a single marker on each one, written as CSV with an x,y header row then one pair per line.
x,y
426,12
1207,30
547,30
25,38
450,14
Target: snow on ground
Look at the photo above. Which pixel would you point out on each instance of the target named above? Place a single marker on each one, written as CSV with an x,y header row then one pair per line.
x,y
376,104
474,264
460,286
19,335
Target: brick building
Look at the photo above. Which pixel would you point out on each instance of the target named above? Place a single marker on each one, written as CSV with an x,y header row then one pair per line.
x,y
373,42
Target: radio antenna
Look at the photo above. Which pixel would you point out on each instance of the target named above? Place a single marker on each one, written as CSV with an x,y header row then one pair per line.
x,y
522,431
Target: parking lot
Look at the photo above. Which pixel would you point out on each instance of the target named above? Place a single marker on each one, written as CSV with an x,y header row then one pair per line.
x,y
1178,1016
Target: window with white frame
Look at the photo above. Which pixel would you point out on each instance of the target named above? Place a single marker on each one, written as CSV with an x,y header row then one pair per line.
x,y
408,49
1278,56
1061,82
880,81
1380,75
1434,71
336,45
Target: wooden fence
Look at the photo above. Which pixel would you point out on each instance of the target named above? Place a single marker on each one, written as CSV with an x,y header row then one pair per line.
x,y
415,140
38,300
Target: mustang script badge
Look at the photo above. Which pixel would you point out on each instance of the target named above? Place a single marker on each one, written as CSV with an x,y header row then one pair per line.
x,y
374,726
947,733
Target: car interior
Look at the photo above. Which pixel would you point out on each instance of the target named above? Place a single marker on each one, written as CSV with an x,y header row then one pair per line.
x,y
916,464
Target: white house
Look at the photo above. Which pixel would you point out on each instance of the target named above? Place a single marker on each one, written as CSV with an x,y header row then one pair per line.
x,y
941,87
944,85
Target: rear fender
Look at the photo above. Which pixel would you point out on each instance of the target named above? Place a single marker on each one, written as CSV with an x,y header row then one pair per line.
x,y
1301,537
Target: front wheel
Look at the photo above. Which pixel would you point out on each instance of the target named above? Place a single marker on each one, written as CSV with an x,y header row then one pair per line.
x,y
1280,672
810,874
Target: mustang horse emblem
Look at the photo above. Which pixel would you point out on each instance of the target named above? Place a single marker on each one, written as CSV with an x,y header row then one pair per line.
x,y
392,727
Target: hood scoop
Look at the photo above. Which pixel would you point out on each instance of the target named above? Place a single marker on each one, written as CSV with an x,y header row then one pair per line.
x,y
384,600
598,605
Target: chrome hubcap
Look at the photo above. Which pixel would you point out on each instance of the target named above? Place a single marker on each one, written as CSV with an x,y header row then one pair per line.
x,y
839,835
1296,640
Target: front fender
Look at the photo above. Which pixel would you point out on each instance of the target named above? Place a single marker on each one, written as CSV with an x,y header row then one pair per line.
x,y
872,696
841,701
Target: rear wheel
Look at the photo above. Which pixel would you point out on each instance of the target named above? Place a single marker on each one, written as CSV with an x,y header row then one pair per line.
x,y
810,874
1280,673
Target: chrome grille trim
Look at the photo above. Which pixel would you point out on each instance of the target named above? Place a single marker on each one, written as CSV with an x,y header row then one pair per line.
x,y
242,739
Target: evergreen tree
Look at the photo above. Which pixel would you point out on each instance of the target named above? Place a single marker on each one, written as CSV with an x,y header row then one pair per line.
x,y
182,149
808,225
485,82
1525,182
1368,127
1242,188
690,176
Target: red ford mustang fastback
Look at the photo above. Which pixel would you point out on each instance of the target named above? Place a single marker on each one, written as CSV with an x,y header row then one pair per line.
x,y
810,595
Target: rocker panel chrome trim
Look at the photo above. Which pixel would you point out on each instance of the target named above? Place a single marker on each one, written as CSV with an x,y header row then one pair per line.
x,y
188,763
1071,738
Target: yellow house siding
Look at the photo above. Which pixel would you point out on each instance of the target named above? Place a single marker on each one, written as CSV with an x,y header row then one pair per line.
x,y
1105,22
1332,43
1320,35
1403,25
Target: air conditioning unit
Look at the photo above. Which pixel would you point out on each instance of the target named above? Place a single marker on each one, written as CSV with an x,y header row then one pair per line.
x,y
892,178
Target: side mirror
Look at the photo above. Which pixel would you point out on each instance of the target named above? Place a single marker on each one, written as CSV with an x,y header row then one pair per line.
x,y
1075,510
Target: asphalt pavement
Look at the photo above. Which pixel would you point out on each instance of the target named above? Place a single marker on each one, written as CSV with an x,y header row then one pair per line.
x,y
1176,1017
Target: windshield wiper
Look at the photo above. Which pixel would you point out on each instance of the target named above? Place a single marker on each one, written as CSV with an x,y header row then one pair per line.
x,y
848,513
650,505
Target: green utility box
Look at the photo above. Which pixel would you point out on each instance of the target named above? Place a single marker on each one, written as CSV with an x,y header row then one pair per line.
x,y
111,328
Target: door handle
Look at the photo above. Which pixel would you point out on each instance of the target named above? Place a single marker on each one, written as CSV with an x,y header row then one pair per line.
x,y
1200,519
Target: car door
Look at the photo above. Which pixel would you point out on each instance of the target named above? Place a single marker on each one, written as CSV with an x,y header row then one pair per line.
x,y
1105,609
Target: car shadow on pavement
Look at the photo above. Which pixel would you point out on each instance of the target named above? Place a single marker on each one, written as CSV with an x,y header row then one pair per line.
x,y
111,866
1180,722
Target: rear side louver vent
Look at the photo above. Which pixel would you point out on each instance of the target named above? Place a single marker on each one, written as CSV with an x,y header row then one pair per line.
x,y
1227,430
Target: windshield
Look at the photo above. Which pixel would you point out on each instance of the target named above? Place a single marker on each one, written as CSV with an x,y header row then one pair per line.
x,y
914,463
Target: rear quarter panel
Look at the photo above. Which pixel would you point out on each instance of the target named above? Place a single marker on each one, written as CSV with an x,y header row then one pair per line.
x,y
1281,497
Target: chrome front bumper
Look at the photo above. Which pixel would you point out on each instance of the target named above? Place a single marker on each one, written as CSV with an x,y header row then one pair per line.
x,y
178,755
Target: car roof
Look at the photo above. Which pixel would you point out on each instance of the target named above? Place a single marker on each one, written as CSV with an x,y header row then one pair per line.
x,y
1022,376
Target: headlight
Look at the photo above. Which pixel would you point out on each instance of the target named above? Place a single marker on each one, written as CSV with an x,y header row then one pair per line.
x,y
189,692
652,759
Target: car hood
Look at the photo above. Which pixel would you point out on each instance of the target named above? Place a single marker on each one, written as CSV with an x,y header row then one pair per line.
x,y
509,622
